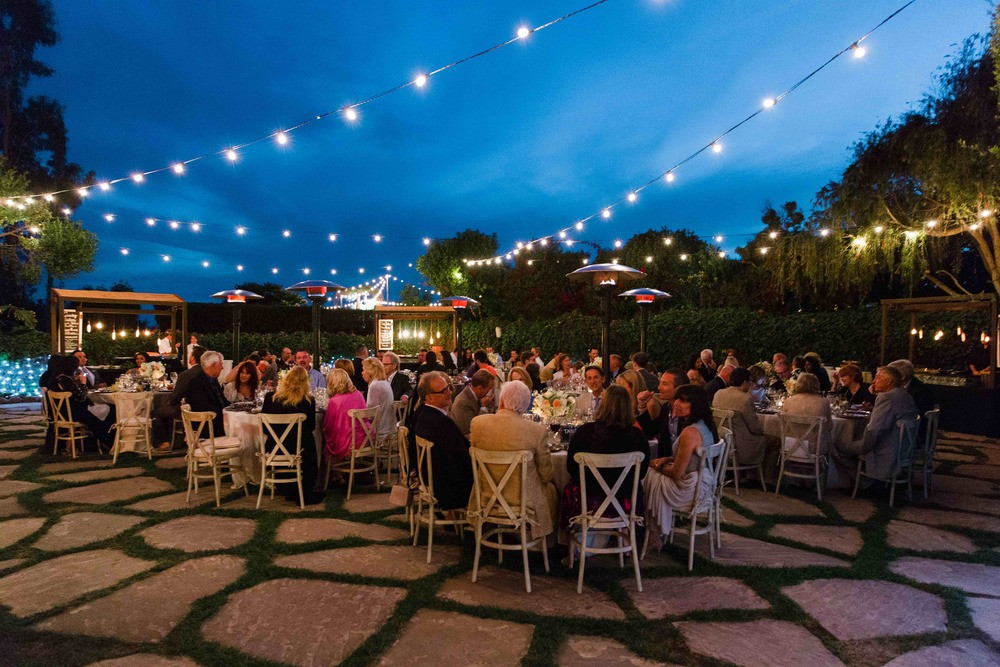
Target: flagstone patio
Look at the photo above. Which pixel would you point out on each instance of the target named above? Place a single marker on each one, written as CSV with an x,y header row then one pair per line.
x,y
111,565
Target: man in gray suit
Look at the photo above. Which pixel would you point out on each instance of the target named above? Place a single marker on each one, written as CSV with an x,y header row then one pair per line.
x,y
881,437
467,404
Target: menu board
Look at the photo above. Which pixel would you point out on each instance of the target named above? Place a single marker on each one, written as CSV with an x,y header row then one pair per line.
x,y
385,338
71,335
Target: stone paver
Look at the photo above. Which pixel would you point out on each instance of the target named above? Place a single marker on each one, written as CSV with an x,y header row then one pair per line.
x,y
66,466
368,502
7,471
374,561
841,539
731,518
738,550
979,471
10,563
865,609
676,596
92,475
763,643
279,504
302,621
962,652
11,507
449,639
986,615
21,443
300,531
171,463
15,454
760,502
80,528
918,537
18,428
858,510
16,530
10,487
146,660
171,502
108,492
114,615
965,485
499,587
583,651
57,581
953,456
200,533
969,577
945,518
957,501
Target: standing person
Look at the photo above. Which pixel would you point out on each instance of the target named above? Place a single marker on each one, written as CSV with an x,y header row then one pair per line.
x,y
360,354
304,360
191,343
165,345
294,396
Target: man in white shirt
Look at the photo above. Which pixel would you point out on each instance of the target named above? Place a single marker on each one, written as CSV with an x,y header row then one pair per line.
x,y
316,379
538,361
590,401
165,345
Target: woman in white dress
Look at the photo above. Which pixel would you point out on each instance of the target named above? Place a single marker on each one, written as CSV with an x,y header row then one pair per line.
x,y
671,481
380,394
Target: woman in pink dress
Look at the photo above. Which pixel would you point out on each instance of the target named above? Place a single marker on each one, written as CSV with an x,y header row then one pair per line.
x,y
337,424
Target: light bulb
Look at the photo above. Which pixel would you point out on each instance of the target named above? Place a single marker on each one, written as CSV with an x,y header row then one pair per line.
x,y
50,198
66,211
241,230
138,177
985,213
427,241
722,254
523,32
606,213
860,241
913,332
281,138
151,221
420,81
718,239
351,114
544,242
333,272
82,192
931,223
195,226
859,51
974,226
716,147
109,217
204,263
879,229
306,271
763,250
649,259
684,258
632,197
668,241
231,155
174,224
824,232
618,244
239,267
670,177
105,186
773,235
377,238
178,168
286,233
166,258
769,102
274,270
910,235
579,226
124,251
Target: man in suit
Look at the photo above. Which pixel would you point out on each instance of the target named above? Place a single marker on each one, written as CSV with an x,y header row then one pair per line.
x,y
782,373
719,381
881,438
506,431
204,393
748,432
400,384
360,354
639,363
476,395
431,364
656,410
614,367
93,379
166,414
590,400
914,386
287,359
450,454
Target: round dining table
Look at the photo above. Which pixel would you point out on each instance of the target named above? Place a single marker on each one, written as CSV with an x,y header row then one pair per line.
x,y
246,426
103,400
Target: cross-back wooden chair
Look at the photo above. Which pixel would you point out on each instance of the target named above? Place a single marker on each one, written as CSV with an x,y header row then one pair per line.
x,y
64,428
906,441
364,454
724,419
283,464
134,421
210,457
427,502
801,445
923,457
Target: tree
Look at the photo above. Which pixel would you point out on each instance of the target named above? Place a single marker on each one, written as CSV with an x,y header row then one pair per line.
x,y
444,264
411,296
273,293
64,248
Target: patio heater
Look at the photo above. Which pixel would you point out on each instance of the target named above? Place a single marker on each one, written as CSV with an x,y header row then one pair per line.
x,y
643,297
607,278
237,297
316,291
459,303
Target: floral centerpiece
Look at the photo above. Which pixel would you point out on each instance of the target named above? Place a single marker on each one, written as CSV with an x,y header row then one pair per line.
x,y
554,404
283,373
151,374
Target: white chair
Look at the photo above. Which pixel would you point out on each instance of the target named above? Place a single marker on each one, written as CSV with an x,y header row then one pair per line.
x,y
427,502
134,421
491,506
724,419
621,525
402,443
400,410
364,454
801,442
923,457
388,450
727,435
64,428
902,460
210,457
276,465
712,461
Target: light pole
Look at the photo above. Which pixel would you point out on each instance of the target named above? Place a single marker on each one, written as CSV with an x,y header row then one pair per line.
x,y
316,291
459,303
643,297
237,297
607,278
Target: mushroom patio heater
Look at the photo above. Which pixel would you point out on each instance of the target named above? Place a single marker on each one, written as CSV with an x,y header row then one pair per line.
x,y
316,291
459,303
607,278
643,297
237,297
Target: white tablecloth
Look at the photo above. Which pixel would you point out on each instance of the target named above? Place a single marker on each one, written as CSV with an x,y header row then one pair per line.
x,y
246,427
560,461
843,430
103,400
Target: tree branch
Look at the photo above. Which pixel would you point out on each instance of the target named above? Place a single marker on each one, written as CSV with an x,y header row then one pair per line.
x,y
954,280
944,288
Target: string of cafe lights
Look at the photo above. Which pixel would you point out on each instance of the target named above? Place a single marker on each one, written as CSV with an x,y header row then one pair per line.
x,y
669,176
349,113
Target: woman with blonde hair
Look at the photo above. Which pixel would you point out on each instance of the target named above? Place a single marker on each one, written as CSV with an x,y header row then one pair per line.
x,y
337,424
380,394
347,366
634,384
294,396
520,373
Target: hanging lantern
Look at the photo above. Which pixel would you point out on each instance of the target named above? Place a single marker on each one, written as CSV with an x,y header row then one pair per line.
x,y
88,327
114,335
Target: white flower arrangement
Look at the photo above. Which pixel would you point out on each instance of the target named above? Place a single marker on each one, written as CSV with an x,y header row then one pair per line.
x,y
283,373
554,404
152,370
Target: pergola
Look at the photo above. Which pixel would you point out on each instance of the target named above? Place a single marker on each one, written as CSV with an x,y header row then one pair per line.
x,y
938,304
385,317
67,323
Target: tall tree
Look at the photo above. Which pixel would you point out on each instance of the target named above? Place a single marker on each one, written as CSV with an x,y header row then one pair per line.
x,y
445,269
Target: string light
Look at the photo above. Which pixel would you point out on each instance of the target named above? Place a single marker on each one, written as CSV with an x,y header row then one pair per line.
x,y
104,185
985,213
427,242
195,226
174,224
281,138
716,147
138,177
824,232
618,244
241,230
274,271
377,238
859,51
151,222
239,267
232,155
166,258
931,223
606,213
204,263
668,241
718,239
124,251
722,254
332,237
632,197
860,241
769,102
420,81
178,168
109,217
773,235
879,229
286,233
669,177
684,257
523,32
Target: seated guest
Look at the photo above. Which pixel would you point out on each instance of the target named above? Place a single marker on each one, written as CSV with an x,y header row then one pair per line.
x,y
346,366
287,359
918,390
521,373
492,357
304,360
244,386
515,356
165,415
360,354
798,365
613,431
548,371
748,432
267,373
51,370
380,394
480,362
655,416
431,364
450,454
641,364
294,396
719,381
852,388
708,366
565,370
634,384
778,356
140,359
337,423
66,376
448,360
782,373
93,379
672,480
467,359
422,355
881,436
805,401
525,358
469,402
506,431
731,358
758,383
399,383
694,377
813,364
536,378
614,367
589,401
203,392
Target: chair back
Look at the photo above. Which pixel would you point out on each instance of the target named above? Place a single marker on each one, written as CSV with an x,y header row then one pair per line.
x,y
286,450
727,436
628,462
45,404
712,460
399,408
723,418
59,406
801,436
198,428
132,408
907,442
367,419
402,446
425,469
932,418
493,505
